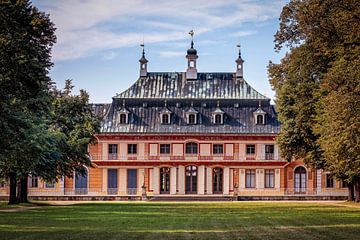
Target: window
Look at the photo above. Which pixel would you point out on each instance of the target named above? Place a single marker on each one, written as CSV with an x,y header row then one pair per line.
x,y
344,184
50,184
2,183
269,152
329,181
123,118
164,148
191,119
191,148
165,119
192,64
218,149
259,119
250,178
250,149
269,178
34,182
132,148
113,150
218,119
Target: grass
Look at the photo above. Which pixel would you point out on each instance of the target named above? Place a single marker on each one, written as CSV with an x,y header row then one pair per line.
x,y
220,220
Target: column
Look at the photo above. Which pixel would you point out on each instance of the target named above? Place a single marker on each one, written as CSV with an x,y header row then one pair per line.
x,y
242,179
173,178
226,180
141,176
259,177
181,180
122,181
201,179
277,178
104,152
156,180
209,180
104,180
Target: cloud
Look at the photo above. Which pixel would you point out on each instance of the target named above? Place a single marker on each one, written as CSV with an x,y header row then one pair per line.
x,y
243,33
169,54
86,27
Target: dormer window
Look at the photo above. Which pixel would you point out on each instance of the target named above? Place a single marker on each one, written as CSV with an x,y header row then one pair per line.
x,y
218,116
191,115
260,119
165,118
259,116
218,119
192,119
124,116
165,115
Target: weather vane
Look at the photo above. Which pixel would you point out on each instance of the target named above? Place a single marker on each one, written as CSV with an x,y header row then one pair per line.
x,y
191,33
239,46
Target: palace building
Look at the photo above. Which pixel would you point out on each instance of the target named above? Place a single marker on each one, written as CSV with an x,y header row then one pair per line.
x,y
178,134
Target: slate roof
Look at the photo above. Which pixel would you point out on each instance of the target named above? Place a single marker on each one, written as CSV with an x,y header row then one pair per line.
x,y
235,97
174,85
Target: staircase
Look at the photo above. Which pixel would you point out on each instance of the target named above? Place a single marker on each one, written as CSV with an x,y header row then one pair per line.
x,y
191,198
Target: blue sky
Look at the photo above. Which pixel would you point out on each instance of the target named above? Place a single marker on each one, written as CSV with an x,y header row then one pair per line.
x,y
98,41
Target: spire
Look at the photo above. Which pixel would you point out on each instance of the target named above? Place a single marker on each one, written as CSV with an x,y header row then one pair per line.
x,y
191,72
143,62
239,64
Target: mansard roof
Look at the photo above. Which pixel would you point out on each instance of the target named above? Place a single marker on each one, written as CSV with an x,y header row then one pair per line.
x,y
173,85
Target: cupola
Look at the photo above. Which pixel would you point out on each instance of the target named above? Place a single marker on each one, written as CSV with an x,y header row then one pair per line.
x,y
239,64
143,63
191,72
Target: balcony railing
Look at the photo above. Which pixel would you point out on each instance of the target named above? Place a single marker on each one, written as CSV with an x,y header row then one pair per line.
x,y
241,157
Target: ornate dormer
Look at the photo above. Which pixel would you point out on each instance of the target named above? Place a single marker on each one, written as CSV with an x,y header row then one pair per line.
x,y
165,115
259,116
191,72
143,62
191,115
123,114
218,115
239,64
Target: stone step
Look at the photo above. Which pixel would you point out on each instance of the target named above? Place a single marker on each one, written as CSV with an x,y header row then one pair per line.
x,y
191,198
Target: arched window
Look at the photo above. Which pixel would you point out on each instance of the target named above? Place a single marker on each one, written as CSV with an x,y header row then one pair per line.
x,y
164,180
165,119
259,119
218,119
123,118
191,180
191,119
218,180
191,148
81,183
300,180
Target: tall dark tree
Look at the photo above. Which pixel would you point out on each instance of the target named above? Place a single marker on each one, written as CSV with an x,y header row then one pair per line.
x,y
325,33
26,38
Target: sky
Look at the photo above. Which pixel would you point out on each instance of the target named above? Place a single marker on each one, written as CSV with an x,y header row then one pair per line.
x,y
98,41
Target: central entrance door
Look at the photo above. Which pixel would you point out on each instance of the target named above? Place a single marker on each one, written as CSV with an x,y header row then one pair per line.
x,y
191,180
131,181
164,180
300,180
218,180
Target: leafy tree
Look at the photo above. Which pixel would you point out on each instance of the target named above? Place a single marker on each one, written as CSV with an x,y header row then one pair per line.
x,y
323,35
26,38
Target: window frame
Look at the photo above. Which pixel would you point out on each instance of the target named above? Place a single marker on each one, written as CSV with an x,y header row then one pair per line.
x,y
190,116
131,150
215,149
33,180
165,146
113,155
218,118
269,181
262,119
250,174
121,119
329,181
167,118
49,185
249,148
190,149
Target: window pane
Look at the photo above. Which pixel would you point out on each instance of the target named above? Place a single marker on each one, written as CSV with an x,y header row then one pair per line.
x,y
218,149
250,149
164,148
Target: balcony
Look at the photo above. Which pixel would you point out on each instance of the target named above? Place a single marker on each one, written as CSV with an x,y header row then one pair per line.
x,y
269,156
112,156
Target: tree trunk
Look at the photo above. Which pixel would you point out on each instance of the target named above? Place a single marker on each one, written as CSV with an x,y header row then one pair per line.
x,y
351,192
24,190
357,190
13,183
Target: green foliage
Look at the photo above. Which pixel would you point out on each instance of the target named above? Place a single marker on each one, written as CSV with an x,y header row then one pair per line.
x,y
320,114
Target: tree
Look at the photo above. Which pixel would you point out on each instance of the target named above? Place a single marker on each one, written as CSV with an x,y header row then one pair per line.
x,y
326,34
26,38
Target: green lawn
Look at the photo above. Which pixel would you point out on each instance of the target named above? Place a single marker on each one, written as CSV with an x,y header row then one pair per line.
x,y
220,220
